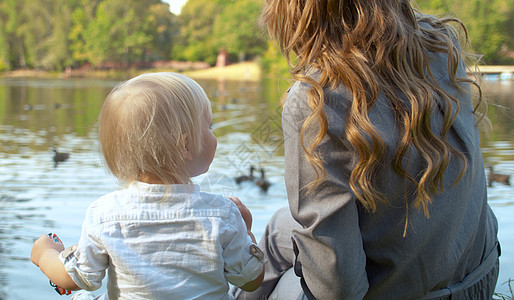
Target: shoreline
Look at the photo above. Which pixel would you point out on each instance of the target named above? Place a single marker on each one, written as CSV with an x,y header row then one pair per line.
x,y
245,71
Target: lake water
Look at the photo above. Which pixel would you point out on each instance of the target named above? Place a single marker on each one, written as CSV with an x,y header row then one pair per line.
x,y
37,196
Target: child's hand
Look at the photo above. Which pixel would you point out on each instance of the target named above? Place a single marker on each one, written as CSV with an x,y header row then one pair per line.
x,y
245,212
43,243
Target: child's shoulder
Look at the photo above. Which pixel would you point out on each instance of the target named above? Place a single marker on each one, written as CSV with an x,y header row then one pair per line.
x,y
113,196
107,202
216,203
213,201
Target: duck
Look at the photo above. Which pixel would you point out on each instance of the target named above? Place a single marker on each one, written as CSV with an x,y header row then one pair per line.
x,y
249,177
263,183
60,156
502,178
34,107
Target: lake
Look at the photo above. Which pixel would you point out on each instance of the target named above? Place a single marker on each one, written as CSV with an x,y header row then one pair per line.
x,y
37,196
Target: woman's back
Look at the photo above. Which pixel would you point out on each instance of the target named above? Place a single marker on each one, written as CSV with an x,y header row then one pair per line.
x,y
412,253
383,172
403,254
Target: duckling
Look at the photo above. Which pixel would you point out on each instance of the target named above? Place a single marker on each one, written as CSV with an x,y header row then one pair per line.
x,y
262,182
502,178
242,178
60,156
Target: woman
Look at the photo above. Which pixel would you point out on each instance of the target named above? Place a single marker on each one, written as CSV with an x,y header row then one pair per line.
x,y
384,173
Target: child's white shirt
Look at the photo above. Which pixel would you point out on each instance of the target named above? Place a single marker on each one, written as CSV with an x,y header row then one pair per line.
x,y
163,242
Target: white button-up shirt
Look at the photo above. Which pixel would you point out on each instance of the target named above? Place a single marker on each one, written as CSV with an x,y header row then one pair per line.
x,y
163,242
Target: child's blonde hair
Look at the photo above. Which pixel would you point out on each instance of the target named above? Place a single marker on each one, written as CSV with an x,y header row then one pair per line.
x,y
145,122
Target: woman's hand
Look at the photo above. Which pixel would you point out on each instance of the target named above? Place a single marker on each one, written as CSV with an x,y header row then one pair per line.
x,y
42,244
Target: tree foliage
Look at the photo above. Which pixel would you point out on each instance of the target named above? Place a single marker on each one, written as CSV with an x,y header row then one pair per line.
x,y
236,30
489,24
196,41
55,34
206,26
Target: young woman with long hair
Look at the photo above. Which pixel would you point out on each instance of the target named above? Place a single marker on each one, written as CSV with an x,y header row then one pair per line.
x,y
384,174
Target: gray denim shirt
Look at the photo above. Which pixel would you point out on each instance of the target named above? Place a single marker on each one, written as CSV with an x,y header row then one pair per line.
x,y
345,252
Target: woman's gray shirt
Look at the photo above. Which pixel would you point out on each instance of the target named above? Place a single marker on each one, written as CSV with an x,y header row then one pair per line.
x,y
346,252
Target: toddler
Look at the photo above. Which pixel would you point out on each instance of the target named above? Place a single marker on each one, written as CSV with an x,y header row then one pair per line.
x,y
159,237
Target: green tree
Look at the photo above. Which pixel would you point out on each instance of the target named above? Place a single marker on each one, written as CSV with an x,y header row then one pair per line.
x,y
274,63
80,33
4,47
34,26
11,48
489,23
235,29
196,42
206,26
35,33
486,21
111,30
164,28
57,47
54,34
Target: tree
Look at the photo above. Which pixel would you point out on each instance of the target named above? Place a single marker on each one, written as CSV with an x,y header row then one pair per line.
x,y
4,47
486,22
111,30
11,49
206,26
54,34
54,49
235,29
489,23
164,28
196,42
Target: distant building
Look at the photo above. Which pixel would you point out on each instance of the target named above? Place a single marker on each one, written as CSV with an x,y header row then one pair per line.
x,y
222,59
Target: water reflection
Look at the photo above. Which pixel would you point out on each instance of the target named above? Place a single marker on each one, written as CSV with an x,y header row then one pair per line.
x,y
499,95
37,116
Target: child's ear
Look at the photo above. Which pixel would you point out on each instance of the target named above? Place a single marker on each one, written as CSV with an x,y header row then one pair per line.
x,y
186,147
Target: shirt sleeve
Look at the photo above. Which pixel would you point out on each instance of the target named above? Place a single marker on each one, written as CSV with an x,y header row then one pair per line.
x,y
243,259
86,262
330,257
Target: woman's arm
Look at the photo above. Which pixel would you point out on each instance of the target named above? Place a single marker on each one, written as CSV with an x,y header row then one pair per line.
x,y
45,254
330,257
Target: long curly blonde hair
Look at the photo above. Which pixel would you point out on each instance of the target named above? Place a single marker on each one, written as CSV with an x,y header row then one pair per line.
x,y
372,47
